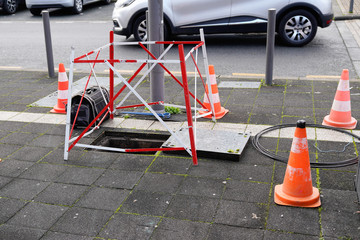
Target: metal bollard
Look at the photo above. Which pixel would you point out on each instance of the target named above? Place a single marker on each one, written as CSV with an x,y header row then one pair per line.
x,y
48,44
270,45
351,8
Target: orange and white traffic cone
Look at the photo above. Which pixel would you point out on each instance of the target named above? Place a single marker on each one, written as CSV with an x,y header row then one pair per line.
x,y
219,111
340,114
63,85
297,189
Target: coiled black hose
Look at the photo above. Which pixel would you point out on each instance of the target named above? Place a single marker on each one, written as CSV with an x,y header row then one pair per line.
x,y
263,150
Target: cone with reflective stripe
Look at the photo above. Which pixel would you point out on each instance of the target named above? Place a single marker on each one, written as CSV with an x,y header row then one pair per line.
x,y
340,113
297,189
63,85
219,111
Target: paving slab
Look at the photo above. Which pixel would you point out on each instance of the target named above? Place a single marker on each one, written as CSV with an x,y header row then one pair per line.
x,y
13,168
4,181
146,203
103,198
291,219
80,175
132,162
9,207
220,231
37,215
60,236
82,221
119,179
20,233
61,194
165,164
244,191
192,208
196,186
23,189
154,182
129,226
44,172
178,229
242,214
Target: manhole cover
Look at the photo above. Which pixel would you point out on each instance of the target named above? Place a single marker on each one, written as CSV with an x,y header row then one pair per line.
x,y
213,144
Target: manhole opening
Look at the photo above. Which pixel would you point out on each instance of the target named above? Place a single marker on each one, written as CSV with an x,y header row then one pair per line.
x,y
130,140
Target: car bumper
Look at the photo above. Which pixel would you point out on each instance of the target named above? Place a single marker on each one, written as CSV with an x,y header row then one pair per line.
x,y
326,20
118,29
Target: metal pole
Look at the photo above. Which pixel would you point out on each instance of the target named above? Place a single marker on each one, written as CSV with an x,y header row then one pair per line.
x,y
351,8
156,33
48,44
206,63
270,45
68,107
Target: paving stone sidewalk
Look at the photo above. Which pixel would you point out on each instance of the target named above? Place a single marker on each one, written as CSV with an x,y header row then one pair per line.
x,y
105,195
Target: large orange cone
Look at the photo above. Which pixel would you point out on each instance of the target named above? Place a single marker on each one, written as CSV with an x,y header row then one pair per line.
x,y
340,114
63,85
219,111
297,189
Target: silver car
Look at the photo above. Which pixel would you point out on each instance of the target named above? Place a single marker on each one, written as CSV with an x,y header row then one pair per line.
x,y
296,20
36,6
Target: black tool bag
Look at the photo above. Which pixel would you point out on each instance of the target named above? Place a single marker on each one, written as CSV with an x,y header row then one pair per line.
x,y
91,106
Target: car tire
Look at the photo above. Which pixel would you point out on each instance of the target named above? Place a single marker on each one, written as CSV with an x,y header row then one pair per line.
x,y
36,11
78,6
10,6
140,31
297,28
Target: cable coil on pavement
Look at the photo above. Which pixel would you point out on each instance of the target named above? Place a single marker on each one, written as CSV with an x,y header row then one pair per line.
x,y
263,150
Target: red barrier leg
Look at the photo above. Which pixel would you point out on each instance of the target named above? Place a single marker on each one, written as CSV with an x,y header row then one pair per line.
x,y
187,103
111,75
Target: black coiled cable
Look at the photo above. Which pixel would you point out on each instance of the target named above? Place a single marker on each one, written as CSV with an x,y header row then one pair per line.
x,y
261,149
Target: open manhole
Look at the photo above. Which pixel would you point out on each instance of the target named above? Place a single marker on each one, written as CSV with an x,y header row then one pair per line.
x,y
209,144
131,140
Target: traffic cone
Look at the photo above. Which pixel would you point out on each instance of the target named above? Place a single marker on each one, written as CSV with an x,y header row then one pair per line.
x,y
340,114
297,189
63,85
219,111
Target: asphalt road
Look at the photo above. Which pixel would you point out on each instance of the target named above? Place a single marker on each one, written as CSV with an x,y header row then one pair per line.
x,y
23,46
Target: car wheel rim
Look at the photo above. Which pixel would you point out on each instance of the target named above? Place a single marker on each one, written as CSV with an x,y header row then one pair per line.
x,y
11,5
298,28
78,5
142,33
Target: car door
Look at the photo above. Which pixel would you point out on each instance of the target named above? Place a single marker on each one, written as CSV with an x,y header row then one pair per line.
x,y
248,14
200,12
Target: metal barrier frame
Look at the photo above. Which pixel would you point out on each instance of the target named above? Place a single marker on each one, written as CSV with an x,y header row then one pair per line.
x,y
109,108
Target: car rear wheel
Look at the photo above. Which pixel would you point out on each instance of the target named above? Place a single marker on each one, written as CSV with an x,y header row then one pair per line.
x,y
35,11
10,6
297,28
140,31
78,6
